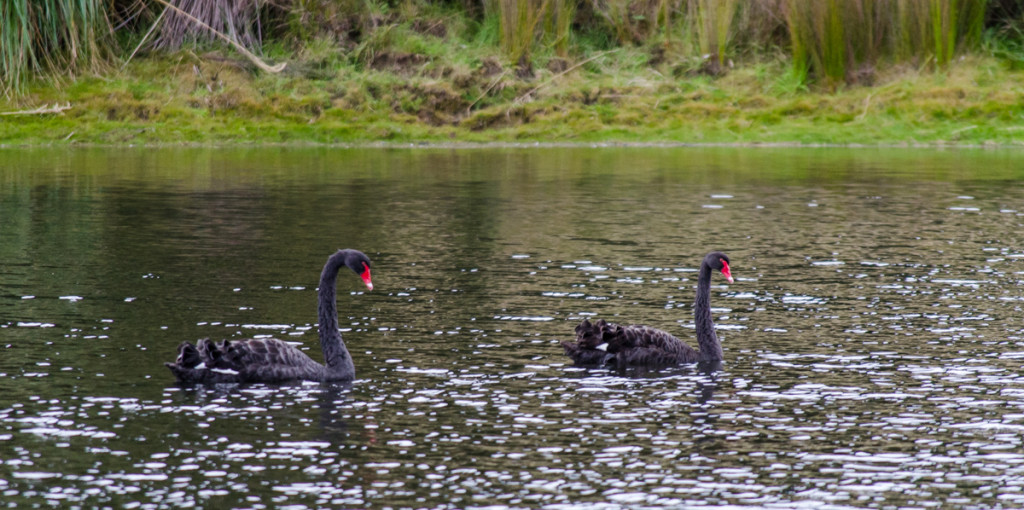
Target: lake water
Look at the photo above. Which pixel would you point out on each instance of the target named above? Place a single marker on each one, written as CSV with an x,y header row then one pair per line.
x,y
873,338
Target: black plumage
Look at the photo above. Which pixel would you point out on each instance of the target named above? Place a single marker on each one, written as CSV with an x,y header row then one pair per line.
x,y
273,360
607,343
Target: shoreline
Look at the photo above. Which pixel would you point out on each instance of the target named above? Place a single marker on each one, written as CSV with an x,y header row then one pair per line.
x,y
426,145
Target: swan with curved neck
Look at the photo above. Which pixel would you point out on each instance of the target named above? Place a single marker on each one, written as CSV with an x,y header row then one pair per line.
x,y
270,359
606,343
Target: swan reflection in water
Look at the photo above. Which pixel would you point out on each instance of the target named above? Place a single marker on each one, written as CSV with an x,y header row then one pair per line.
x,y
334,427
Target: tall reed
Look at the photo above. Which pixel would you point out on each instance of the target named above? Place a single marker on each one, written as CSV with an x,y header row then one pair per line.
x,y
558,24
831,39
55,37
519,19
712,21
525,23
936,29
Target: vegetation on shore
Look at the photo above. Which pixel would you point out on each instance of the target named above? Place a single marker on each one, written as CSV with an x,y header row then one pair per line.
x,y
683,71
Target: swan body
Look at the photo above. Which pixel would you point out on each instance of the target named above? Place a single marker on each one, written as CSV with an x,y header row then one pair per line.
x,y
607,343
271,360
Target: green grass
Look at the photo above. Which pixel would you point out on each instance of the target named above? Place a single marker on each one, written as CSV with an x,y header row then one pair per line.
x,y
216,99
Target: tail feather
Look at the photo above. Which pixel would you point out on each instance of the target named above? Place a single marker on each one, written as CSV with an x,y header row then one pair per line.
x,y
202,363
188,355
594,345
204,351
210,352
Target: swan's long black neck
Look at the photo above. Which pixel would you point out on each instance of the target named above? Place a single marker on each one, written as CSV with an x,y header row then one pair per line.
x,y
336,356
710,347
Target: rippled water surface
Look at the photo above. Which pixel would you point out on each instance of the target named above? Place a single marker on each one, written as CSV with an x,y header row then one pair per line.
x,y
873,338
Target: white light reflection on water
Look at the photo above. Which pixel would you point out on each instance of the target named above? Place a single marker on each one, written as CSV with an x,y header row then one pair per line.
x,y
872,340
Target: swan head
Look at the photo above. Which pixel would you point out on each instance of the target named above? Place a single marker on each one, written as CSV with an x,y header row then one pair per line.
x,y
719,262
359,263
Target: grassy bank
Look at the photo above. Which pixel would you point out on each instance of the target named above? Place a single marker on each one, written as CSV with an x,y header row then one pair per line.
x,y
208,100
421,73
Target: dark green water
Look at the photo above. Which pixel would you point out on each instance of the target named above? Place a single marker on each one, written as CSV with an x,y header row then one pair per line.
x,y
873,338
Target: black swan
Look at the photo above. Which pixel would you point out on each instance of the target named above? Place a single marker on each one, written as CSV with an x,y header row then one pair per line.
x,y
272,360
605,343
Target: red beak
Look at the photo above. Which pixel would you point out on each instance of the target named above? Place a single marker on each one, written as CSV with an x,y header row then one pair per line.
x,y
366,277
726,272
